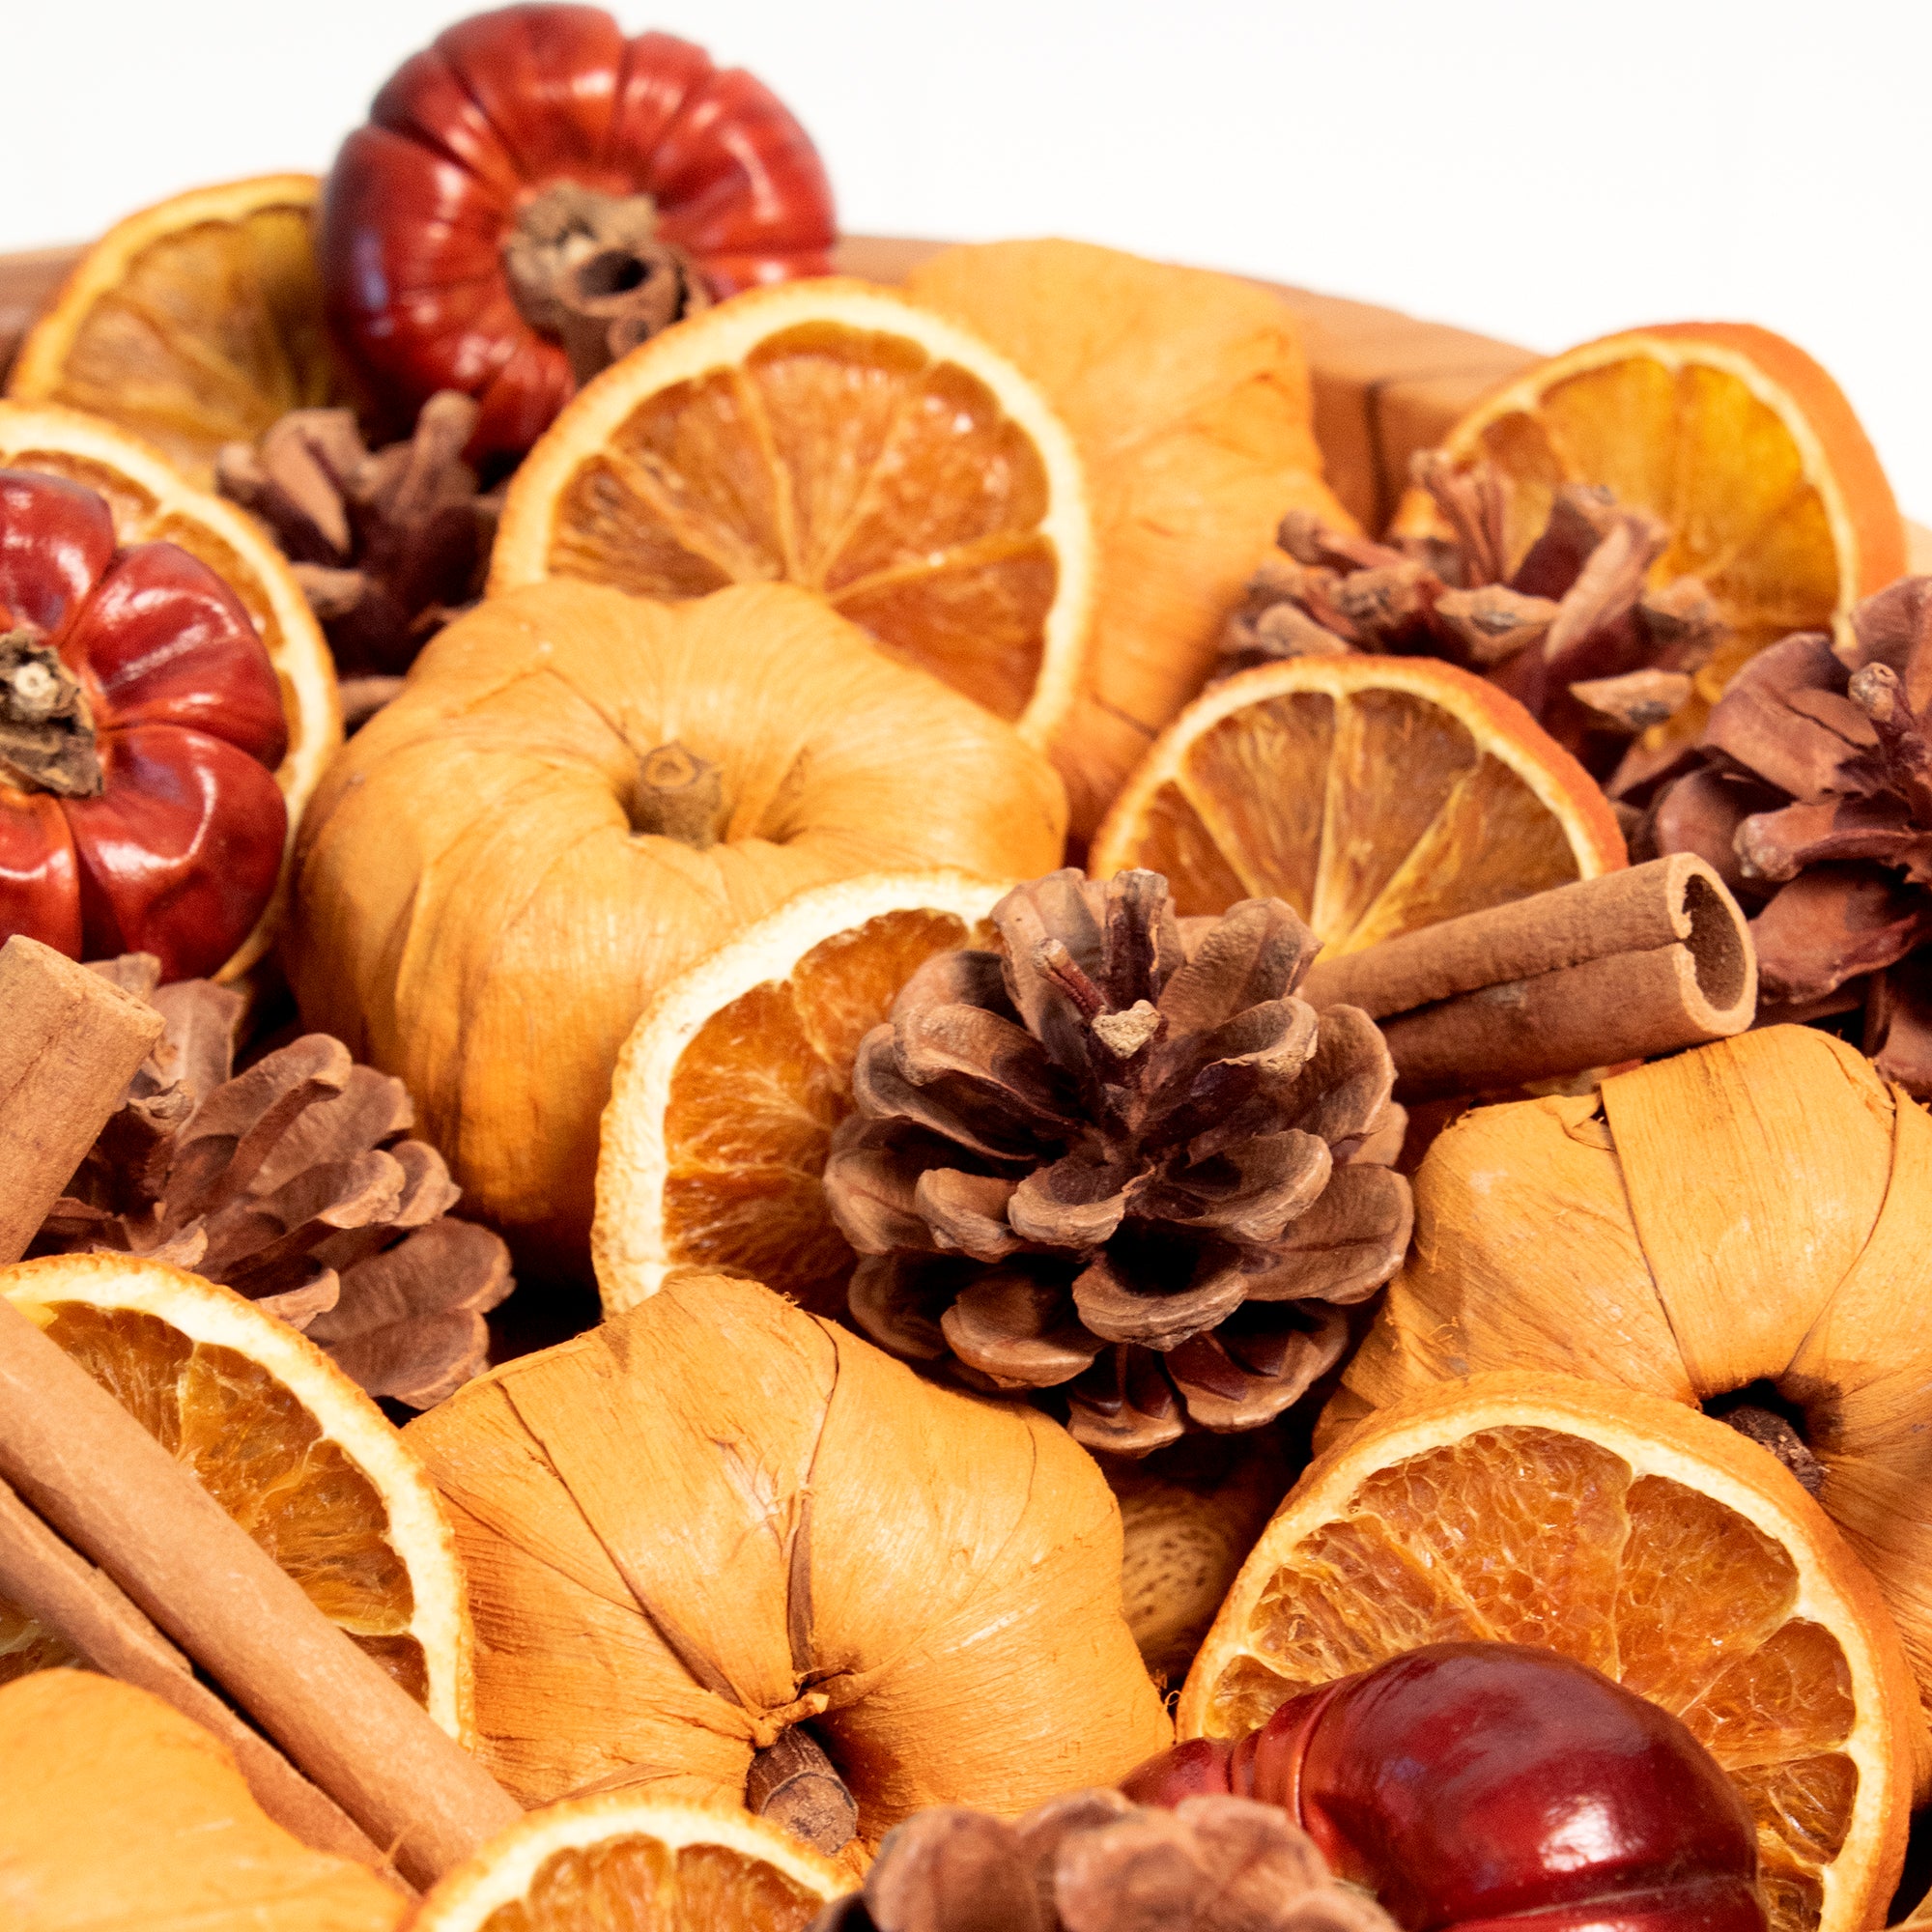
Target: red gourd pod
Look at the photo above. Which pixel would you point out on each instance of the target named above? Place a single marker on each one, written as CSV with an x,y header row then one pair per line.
x,y
140,728
537,128
1471,1783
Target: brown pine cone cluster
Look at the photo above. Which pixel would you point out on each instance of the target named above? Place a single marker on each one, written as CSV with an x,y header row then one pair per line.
x,y
1092,1862
292,1184
387,545
1117,1159
1811,793
1574,631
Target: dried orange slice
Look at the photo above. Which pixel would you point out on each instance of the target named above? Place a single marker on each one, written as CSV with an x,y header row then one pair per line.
x,y
1374,795
731,1083
151,503
1735,438
287,1444
593,1864
828,434
194,323
1630,1533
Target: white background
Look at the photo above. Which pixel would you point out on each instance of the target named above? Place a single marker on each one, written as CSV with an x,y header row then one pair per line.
x,y
1542,172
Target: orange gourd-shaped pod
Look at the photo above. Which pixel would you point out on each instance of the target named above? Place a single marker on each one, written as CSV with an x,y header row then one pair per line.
x,y
1759,1211
717,1516
482,907
466,136
120,1811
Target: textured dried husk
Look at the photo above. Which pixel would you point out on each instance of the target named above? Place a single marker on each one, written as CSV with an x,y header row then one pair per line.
x,y
476,913
717,1516
118,1812
1756,1210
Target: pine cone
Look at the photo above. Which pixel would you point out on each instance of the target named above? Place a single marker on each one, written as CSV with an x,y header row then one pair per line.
x,y
1119,1160
1092,1862
291,1185
1573,632
387,545
1813,797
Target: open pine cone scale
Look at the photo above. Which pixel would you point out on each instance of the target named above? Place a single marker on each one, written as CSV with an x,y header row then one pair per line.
x,y
1121,1159
292,1184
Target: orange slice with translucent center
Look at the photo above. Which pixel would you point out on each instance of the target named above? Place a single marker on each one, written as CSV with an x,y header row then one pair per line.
x,y
194,323
1737,439
151,504
284,1441
730,1085
1628,1532
1374,795
618,1859
828,434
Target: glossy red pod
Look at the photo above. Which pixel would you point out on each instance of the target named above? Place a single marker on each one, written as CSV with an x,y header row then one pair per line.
x,y
141,728
1471,1783
501,108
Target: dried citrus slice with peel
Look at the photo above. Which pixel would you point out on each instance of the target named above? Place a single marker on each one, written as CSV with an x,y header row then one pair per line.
x,y
1374,795
593,1864
194,323
1735,438
732,1081
151,503
829,434
1634,1535
287,1444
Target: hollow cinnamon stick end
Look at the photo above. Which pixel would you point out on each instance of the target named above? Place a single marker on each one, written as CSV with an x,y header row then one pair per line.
x,y
70,1044
1720,989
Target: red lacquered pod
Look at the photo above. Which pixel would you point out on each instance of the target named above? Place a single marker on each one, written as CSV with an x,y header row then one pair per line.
x,y
1471,1783
140,728
499,109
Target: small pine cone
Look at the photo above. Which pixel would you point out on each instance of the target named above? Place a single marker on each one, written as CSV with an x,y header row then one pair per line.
x,y
1092,1862
1119,1160
290,1183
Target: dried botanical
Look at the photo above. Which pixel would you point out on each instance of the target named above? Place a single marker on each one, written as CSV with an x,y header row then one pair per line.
x,y
290,1183
1574,631
1092,1862
1813,797
387,545
1119,1159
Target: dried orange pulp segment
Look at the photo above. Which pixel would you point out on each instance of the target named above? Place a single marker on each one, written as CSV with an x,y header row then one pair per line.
x,y
193,323
730,1085
592,1864
1374,795
1629,1532
1735,438
151,504
287,1444
829,434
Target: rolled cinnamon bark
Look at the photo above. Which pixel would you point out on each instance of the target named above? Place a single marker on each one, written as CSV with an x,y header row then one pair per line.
x,y
85,1466
61,1590
1618,967
70,1042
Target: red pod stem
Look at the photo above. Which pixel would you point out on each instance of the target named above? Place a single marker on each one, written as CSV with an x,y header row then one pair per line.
x,y
1468,1783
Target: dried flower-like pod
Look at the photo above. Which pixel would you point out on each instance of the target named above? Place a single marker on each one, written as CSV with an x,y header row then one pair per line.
x,y
1095,1862
1122,1161
717,1516
1757,1213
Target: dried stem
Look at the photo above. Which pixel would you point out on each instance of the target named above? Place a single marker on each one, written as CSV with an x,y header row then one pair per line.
x,y
679,796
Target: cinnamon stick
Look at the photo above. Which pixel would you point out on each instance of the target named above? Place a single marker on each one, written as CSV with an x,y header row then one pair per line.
x,y
1618,967
70,1042
92,1473
67,1594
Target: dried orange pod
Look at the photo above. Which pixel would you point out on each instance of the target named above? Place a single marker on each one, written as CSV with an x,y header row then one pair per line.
x,y
717,1516
1745,1223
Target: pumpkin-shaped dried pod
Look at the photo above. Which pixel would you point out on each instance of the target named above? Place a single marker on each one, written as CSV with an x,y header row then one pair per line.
x,y
715,1518
292,1183
1093,1861
578,795
1120,1159
1743,1228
